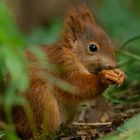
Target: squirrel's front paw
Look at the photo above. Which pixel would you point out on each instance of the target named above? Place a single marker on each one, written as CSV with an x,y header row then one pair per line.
x,y
114,76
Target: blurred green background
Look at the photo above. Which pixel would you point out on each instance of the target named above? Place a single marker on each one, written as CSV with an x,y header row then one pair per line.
x,y
121,20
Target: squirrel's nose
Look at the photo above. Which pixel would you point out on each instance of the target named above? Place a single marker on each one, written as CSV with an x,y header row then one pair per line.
x,y
108,63
111,65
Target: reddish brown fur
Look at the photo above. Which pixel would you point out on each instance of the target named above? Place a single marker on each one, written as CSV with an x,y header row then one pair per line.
x,y
50,104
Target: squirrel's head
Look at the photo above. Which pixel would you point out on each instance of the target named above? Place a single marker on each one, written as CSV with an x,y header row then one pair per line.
x,y
88,41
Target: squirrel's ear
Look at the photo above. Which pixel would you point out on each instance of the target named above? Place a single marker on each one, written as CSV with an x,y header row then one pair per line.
x,y
87,15
73,25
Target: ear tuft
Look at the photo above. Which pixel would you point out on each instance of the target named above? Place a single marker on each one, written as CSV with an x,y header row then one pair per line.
x,y
74,19
73,24
77,19
86,14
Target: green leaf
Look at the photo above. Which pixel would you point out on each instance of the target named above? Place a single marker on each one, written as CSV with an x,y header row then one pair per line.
x,y
2,134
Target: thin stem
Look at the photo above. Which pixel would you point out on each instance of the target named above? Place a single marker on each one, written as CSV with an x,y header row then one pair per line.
x,y
129,41
132,55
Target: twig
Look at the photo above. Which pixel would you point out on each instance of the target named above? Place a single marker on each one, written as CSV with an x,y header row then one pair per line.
x,y
92,124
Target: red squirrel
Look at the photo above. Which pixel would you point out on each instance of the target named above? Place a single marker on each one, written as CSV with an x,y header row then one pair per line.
x,y
84,58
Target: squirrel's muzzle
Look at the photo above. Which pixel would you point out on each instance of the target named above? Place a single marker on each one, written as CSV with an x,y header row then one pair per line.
x,y
108,63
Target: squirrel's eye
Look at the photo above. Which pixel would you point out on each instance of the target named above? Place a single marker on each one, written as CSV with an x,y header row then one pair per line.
x,y
93,48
